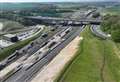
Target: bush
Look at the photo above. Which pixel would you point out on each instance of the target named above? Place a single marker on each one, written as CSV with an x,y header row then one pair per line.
x,y
111,24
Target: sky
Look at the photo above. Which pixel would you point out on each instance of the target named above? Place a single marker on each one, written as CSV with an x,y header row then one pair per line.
x,y
52,0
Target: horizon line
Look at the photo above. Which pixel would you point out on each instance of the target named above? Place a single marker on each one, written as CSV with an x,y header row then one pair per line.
x,y
45,1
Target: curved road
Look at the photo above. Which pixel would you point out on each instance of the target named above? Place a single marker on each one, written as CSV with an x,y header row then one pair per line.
x,y
98,32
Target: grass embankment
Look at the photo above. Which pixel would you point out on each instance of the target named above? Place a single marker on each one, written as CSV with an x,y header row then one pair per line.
x,y
11,49
97,61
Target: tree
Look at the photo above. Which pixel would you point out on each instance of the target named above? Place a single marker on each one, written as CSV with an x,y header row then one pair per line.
x,y
111,24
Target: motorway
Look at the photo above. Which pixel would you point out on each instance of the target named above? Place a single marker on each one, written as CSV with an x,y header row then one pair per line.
x,y
24,75
42,53
28,49
30,69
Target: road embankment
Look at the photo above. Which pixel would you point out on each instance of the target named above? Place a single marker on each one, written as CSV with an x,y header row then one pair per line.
x,y
54,68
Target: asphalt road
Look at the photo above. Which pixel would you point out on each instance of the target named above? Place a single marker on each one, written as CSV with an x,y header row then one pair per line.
x,y
26,75
98,32
32,50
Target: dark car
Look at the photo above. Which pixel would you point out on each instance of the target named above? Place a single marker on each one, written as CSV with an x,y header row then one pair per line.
x,y
2,66
44,35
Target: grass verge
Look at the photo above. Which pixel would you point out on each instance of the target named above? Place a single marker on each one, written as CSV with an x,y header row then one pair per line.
x,y
96,61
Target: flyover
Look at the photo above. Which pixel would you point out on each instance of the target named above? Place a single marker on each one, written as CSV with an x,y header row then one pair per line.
x,y
63,21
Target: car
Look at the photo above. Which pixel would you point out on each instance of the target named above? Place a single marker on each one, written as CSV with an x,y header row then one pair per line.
x,y
44,44
29,66
44,35
29,47
32,44
53,29
18,68
52,44
36,58
12,57
2,66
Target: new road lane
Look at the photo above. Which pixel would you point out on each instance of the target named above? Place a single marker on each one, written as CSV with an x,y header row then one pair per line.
x,y
26,75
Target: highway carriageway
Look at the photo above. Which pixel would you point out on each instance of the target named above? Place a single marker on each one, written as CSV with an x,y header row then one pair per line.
x,y
98,32
28,58
22,59
29,49
29,69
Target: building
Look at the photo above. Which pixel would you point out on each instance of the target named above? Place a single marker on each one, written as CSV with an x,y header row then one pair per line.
x,y
10,37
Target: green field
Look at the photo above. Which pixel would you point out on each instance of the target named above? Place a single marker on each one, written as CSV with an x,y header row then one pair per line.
x,y
97,61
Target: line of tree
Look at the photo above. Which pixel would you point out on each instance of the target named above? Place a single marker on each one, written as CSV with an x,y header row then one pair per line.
x,y
111,24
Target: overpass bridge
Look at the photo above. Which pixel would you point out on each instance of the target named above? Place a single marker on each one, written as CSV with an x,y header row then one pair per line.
x,y
63,21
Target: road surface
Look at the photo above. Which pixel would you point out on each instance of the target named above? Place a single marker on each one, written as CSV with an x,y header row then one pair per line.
x,y
98,32
26,75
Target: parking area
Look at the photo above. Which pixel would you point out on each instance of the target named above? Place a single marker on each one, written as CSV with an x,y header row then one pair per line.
x,y
25,35
10,39
5,43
